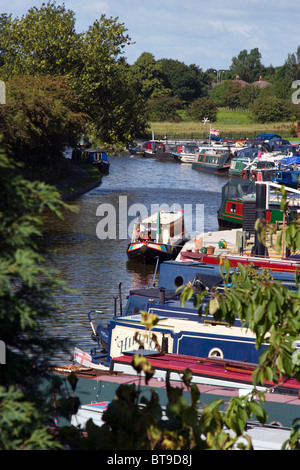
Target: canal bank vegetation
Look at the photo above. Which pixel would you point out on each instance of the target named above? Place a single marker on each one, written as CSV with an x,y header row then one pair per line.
x,y
27,304
231,125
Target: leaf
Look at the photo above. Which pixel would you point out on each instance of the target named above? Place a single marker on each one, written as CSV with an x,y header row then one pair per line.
x,y
259,313
213,305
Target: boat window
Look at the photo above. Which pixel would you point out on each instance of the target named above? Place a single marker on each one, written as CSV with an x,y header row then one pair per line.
x,y
216,352
233,207
178,281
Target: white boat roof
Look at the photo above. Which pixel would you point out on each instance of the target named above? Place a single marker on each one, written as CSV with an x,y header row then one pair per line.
x,y
166,217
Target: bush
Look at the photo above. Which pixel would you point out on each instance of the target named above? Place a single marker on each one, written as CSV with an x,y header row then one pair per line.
x,y
203,108
164,108
268,109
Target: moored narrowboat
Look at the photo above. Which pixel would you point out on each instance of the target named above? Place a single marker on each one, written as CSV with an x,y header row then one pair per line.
x,y
217,161
161,235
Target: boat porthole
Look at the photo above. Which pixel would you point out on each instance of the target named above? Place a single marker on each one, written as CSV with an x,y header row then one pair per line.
x,y
216,352
178,281
275,423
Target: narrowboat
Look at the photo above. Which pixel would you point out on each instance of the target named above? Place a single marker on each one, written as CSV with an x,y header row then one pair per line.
x,y
161,235
238,204
98,158
138,149
203,337
165,152
252,157
217,161
151,147
263,437
289,172
215,371
186,153
96,388
290,178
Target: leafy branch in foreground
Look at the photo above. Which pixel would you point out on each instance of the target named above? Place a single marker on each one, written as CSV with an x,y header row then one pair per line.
x,y
27,286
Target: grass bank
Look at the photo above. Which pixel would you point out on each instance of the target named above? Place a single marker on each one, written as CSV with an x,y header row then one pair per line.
x,y
229,123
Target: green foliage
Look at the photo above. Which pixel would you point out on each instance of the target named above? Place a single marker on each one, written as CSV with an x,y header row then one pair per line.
x,y
268,109
226,94
42,116
108,88
203,108
247,95
186,82
164,108
149,76
42,42
21,426
285,76
247,65
232,94
27,285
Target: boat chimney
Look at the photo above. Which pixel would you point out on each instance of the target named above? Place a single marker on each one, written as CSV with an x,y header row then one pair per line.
x,y
261,194
162,295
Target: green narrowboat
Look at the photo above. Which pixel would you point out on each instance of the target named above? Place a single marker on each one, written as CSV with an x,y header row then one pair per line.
x,y
213,161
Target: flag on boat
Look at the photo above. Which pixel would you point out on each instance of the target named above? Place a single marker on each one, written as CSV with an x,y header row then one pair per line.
x,y
82,357
214,131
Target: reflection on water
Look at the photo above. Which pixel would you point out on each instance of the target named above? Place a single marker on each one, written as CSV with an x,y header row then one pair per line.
x,y
95,268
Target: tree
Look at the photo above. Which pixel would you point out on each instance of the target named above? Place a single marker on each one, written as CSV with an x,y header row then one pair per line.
x,y
247,65
247,95
41,117
27,297
284,77
164,108
232,94
149,76
3,20
267,109
42,42
227,94
203,108
183,80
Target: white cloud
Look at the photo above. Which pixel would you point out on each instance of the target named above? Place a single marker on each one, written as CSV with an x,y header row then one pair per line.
x,y
193,31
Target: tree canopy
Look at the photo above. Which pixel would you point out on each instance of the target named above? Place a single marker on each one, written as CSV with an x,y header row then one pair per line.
x,y
247,65
184,81
42,115
44,42
149,76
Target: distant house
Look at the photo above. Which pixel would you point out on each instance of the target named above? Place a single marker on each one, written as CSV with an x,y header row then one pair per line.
x,y
261,83
236,80
241,82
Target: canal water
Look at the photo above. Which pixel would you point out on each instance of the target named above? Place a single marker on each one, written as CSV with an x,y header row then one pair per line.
x,y
96,268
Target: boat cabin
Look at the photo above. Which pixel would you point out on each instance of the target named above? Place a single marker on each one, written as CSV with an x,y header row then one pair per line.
x,y
162,227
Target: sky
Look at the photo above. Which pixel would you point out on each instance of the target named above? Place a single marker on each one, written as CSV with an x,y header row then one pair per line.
x,y
207,34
